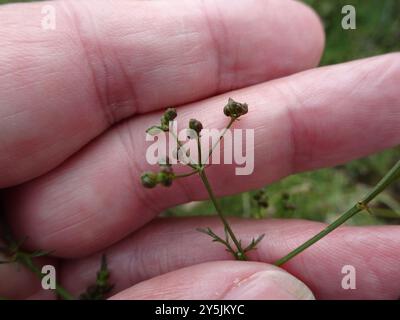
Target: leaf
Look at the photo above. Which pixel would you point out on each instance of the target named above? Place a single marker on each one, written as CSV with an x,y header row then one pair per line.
x,y
254,242
102,287
216,238
154,130
207,231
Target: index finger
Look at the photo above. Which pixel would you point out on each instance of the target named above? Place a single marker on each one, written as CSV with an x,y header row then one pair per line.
x,y
107,60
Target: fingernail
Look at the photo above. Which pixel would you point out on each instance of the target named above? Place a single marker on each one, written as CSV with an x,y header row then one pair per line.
x,y
269,285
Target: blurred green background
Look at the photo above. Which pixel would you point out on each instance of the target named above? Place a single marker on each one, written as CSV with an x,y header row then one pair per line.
x,y
322,195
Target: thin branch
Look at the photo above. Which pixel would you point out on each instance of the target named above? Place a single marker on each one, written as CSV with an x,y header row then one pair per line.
x,y
216,238
184,175
220,138
198,149
181,146
389,178
254,243
26,259
240,255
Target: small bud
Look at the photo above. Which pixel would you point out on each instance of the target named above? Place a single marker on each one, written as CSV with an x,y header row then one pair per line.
x,y
170,114
165,178
164,124
195,125
191,134
149,179
235,109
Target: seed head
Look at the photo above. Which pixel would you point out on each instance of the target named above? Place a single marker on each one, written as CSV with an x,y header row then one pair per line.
x,y
195,125
165,178
235,109
169,115
149,179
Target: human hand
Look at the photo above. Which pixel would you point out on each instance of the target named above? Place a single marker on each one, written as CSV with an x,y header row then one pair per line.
x,y
71,165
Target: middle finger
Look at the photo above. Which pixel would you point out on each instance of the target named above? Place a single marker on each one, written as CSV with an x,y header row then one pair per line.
x,y
316,118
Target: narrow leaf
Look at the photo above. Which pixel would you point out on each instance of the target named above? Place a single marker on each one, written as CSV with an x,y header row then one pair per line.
x,y
154,130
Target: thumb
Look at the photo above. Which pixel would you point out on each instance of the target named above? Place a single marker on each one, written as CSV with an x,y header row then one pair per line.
x,y
232,280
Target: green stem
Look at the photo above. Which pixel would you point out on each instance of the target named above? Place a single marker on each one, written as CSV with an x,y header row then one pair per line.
x,y
199,149
242,255
390,177
220,138
181,146
186,174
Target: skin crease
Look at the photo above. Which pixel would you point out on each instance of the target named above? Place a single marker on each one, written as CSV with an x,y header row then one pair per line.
x,y
72,180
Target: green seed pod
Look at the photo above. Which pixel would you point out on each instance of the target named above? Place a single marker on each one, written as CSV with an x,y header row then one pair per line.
x,y
170,114
149,179
164,124
195,125
235,109
165,178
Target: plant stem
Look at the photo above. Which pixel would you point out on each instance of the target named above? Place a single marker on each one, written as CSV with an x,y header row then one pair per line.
x,y
241,254
181,146
390,177
199,149
220,138
25,258
184,175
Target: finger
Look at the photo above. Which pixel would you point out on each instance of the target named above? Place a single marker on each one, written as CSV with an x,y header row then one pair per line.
x,y
17,282
318,118
106,61
168,244
225,280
